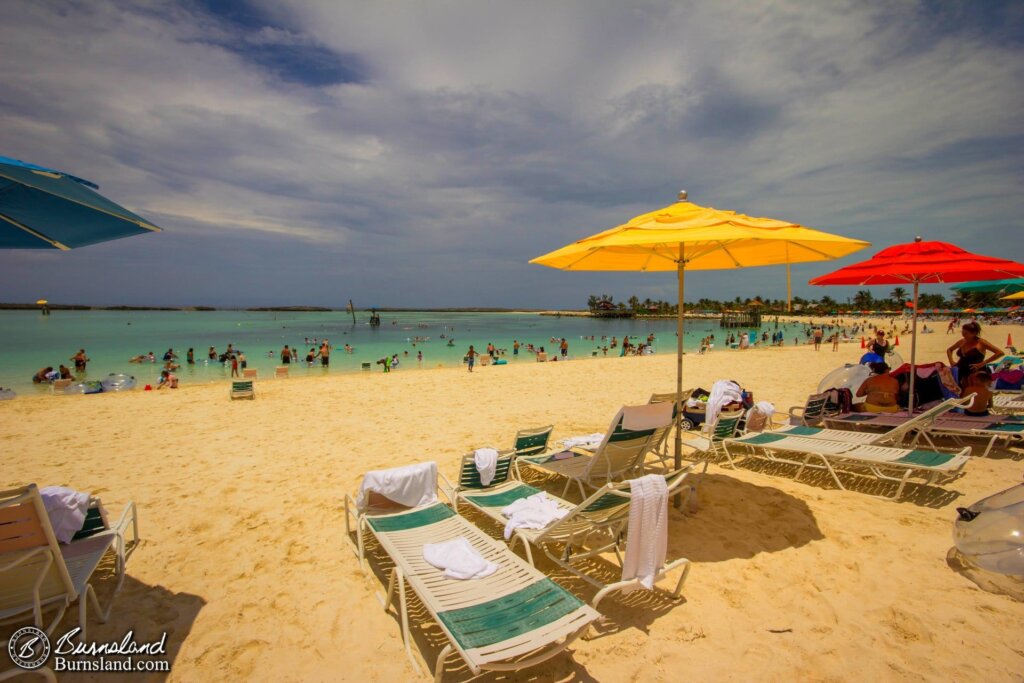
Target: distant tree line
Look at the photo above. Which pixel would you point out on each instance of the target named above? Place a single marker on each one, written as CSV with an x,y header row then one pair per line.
x,y
863,300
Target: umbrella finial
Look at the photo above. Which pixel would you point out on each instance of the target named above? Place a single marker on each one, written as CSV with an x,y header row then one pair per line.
x,y
917,239
682,195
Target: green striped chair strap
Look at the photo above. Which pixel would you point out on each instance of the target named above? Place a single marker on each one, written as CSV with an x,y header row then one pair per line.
x,y
608,500
531,444
241,386
469,476
411,520
925,458
504,498
93,524
725,427
509,616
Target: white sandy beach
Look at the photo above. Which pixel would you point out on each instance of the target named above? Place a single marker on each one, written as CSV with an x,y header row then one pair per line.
x,y
245,565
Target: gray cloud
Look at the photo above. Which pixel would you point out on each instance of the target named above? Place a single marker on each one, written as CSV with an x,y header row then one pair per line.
x,y
305,152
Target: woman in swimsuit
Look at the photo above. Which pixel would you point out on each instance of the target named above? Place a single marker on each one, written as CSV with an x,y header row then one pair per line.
x,y
881,345
970,353
880,389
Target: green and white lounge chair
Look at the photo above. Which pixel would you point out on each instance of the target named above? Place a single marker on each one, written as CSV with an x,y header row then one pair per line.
x,y
725,427
663,451
620,454
812,412
898,429
513,619
533,441
242,389
38,574
1008,404
597,525
891,464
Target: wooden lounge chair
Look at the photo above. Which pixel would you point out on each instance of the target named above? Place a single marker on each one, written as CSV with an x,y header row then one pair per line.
x,y
892,464
595,526
38,574
242,389
621,453
281,372
513,619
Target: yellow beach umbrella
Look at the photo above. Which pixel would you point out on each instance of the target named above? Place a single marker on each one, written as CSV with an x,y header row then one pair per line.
x,y
1018,295
685,236
42,302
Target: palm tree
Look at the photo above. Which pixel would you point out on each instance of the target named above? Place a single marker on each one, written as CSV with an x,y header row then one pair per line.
x,y
592,302
899,295
864,300
634,303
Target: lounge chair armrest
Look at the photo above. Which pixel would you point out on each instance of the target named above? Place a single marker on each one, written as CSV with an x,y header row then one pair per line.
x,y
449,490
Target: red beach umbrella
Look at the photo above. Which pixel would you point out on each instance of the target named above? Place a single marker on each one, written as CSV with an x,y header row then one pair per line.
x,y
922,263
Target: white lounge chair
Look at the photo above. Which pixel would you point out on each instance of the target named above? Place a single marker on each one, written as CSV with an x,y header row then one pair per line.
x,y
620,454
513,619
891,464
597,525
38,574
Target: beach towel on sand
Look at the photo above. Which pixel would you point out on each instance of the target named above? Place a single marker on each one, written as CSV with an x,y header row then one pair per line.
x,y
459,559
409,485
647,534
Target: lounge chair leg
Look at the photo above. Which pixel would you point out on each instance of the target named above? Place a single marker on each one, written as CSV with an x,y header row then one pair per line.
x,y
405,620
386,602
439,667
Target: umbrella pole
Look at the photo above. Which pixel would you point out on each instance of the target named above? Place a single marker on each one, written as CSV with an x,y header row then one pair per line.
x,y
681,277
913,354
789,285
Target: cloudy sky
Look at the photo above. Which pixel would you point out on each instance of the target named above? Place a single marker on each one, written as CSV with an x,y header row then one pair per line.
x,y
420,153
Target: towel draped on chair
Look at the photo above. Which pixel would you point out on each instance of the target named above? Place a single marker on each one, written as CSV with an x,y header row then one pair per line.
x,y
533,512
486,460
66,509
647,533
409,485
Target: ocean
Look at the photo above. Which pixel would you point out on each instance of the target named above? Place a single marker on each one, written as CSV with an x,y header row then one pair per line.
x,y
30,341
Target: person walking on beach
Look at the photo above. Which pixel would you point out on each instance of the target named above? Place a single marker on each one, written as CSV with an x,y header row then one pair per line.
x,y
818,334
471,357
286,355
564,347
835,341
80,360
325,354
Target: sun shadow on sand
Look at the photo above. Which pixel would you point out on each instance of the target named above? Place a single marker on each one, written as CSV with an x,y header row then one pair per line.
x,y
738,520
148,611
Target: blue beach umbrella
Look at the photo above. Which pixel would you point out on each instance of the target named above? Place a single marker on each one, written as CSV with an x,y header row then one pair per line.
x,y
41,208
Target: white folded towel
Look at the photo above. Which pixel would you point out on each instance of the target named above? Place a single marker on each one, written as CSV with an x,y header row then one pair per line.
x,y
66,509
647,534
534,512
650,416
486,460
409,485
459,559
585,441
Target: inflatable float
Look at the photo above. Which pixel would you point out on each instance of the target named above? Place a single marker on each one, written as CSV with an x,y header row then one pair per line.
x,y
118,382
990,533
90,387
847,377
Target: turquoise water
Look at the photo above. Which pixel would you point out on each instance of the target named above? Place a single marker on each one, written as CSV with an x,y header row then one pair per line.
x,y
29,341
